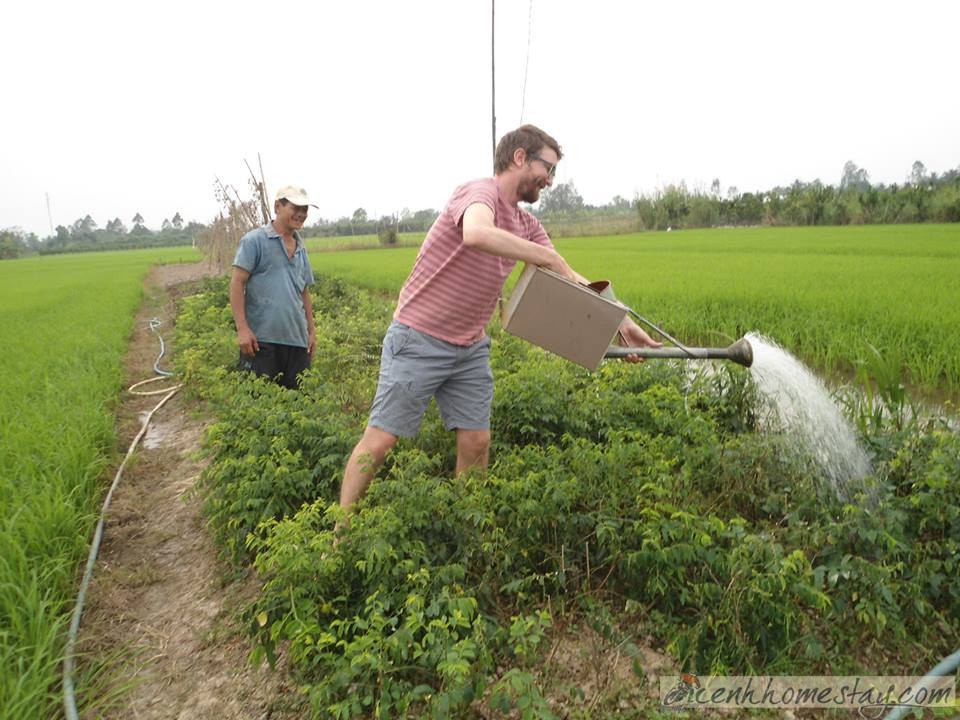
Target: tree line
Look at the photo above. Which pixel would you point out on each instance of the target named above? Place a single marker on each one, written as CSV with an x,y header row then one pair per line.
x,y
923,197
86,235
360,223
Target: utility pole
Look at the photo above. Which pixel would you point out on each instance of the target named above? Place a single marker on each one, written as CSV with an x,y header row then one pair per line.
x,y
49,216
493,78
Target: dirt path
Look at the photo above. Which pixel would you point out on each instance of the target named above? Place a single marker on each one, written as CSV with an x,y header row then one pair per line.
x,y
160,600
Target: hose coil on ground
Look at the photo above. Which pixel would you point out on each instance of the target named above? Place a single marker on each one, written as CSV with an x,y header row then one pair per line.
x,y
69,662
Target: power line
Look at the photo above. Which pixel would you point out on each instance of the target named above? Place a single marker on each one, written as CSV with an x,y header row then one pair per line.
x,y
526,65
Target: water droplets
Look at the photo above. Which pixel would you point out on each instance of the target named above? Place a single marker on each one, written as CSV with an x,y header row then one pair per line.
x,y
800,405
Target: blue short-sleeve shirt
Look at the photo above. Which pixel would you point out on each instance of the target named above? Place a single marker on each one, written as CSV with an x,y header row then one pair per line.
x,y
273,298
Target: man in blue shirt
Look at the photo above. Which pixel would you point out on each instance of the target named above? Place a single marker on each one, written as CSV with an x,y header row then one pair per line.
x,y
270,297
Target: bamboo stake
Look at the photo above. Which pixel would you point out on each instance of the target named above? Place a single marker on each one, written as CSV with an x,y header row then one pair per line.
x,y
263,183
261,191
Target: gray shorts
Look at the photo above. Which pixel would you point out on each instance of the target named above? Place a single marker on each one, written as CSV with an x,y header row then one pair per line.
x,y
415,367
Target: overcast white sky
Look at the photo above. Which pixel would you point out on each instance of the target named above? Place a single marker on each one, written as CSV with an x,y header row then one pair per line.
x,y
114,108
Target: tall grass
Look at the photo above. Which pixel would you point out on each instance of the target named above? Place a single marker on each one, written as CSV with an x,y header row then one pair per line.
x,y
827,294
64,325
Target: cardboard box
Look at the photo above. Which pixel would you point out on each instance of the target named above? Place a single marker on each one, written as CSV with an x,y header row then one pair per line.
x,y
561,316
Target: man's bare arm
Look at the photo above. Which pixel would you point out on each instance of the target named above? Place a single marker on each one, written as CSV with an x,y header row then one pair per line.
x,y
480,233
245,337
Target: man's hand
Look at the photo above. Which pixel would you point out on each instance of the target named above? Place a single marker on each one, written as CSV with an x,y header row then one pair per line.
x,y
558,265
247,342
636,336
312,342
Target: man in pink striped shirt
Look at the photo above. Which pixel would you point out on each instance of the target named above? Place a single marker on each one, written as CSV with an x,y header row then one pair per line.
x,y
436,345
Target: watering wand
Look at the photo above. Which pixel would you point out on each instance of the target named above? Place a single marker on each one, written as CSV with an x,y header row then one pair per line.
x,y
740,352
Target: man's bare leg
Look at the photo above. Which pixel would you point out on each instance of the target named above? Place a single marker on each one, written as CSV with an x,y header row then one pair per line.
x,y
365,460
473,449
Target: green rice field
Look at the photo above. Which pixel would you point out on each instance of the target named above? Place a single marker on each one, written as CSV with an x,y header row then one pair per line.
x,y
65,322
359,242
826,294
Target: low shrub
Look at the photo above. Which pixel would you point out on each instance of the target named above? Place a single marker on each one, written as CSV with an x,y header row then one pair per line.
x,y
639,489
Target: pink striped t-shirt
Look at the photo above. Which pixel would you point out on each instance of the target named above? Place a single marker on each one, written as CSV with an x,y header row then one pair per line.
x,y
452,291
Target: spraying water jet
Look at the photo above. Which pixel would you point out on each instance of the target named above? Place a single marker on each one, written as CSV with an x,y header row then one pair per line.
x,y
799,400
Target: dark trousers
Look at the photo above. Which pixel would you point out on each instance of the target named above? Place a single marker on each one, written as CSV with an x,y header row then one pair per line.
x,y
281,363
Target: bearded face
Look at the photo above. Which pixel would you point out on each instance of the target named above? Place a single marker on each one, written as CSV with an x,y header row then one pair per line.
x,y
540,172
529,189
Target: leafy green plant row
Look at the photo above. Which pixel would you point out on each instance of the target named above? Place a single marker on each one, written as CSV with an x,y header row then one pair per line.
x,y
640,492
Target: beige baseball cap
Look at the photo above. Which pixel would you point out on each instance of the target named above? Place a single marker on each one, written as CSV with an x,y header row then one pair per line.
x,y
296,195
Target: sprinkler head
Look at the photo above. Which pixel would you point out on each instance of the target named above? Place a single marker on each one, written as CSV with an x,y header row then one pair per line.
x,y
741,352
